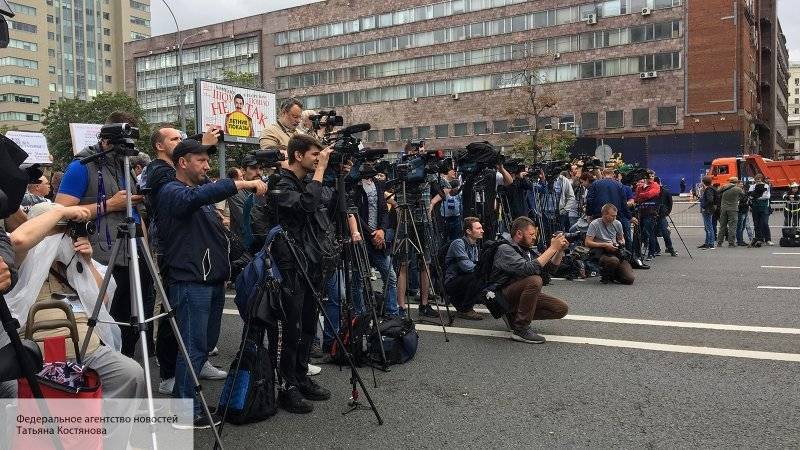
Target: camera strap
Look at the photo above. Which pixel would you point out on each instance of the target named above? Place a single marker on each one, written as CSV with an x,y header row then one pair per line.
x,y
102,208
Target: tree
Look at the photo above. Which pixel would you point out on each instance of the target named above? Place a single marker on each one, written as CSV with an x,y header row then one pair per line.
x,y
5,128
58,116
244,79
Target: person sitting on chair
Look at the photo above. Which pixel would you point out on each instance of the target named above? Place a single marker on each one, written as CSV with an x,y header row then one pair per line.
x,y
459,279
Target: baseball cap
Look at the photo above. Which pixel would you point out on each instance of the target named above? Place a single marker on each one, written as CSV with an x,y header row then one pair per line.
x,y
733,180
191,146
249,160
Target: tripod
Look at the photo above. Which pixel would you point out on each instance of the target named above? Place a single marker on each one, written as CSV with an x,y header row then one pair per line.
x,y
127,236
403,219
679,236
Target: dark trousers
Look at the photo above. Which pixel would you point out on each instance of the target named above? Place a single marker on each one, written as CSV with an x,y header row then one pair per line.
x,y
663,226
121,306
461,291
166,348
649,238
761,225
619,270
529,303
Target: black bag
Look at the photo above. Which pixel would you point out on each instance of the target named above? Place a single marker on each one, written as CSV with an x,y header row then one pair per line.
x,y
252,398
400,341
319,242
790,238
361,327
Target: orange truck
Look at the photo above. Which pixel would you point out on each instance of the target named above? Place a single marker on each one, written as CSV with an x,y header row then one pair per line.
x,y
780,173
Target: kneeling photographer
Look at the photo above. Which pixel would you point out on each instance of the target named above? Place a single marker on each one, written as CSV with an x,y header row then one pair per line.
x,y
606,240
460,282
520,272
55,238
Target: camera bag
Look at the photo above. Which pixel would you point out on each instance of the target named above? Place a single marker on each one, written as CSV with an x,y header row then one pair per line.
x,y
400,341
249,390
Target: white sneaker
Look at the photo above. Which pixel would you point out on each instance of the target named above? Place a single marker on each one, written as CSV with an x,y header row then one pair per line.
x,y
214,352
770,243
165,386
210,372
313,370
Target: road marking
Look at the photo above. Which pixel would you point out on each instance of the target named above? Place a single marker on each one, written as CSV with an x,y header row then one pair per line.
x,y
710,351
785,253
780,267
783,288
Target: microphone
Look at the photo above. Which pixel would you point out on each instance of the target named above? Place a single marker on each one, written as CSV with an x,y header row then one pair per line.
x,y
353,129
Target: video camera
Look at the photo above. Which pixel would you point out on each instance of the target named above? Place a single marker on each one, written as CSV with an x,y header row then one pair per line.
x,y
120,134
14,178
631,174
551,169
588,162
331,120
268,158
413,169
478,157
514,165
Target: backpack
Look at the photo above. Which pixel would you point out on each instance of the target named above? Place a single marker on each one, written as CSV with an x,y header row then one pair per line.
x,y
258,290
252,397
400,341
359,336
490,293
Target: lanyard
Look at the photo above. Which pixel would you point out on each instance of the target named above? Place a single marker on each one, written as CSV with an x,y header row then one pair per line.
x,y
102,208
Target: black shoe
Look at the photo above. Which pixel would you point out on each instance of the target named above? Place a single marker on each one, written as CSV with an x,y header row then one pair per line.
x,y
528,335
731,244
291,400
427,311
742,244
312,391
672,252
605,279
702,246
200,423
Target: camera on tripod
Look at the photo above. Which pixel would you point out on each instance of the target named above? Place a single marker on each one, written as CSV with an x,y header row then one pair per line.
x,y
413,169
269,158
478,157
588,162
122,136
330,120
632,174
551,169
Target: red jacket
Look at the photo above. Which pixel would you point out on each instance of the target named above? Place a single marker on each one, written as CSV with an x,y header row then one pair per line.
x,y
651,192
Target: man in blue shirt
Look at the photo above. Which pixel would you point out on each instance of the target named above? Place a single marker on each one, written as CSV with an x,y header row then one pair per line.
x,y
459,279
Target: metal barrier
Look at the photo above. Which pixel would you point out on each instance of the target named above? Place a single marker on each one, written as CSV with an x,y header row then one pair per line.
x,y
686,214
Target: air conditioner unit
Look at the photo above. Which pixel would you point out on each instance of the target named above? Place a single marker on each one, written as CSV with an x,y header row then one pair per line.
x,y
591,19
646,11
557,56
415,99
648,75
455,96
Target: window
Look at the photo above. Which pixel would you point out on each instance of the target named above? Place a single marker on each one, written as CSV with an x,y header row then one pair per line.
x,y
500,126
140,6
442,131
135,35
423,132
108,78
23,45
589,121
480,128
641,117
106,32
520,125
667,115
406,133
614,119
797,110
545,123
372,136
140,21
51,36
14,25
22,9
566,122
720,170
107,47
108,63
389,135
106,16
460,129
50,19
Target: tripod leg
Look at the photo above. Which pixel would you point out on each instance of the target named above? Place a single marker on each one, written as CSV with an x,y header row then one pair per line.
x,y
170,314
92,321
681,237
421,255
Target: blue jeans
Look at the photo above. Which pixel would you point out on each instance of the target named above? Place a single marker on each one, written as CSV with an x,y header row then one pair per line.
x,y
381,260
198,312
741,223
710,228
649,224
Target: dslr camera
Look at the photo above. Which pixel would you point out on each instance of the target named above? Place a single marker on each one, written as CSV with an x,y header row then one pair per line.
x,y
77,230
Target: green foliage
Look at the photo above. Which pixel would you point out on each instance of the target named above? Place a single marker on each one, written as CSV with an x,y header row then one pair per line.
x,y
5,128
58,116
244,79
548,144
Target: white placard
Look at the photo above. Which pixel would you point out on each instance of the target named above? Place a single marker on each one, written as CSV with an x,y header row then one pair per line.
x,y
83,135
241,112
34,144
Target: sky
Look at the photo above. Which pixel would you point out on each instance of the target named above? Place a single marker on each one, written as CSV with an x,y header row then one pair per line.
x,y
196,13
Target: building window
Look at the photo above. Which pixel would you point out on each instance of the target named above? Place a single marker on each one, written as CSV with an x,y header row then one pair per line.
x,y
137,36
51,52
566,122
480,128
520,125
500,126
406,133
442,131
545,123
108,63
460,129
641,117
614,119
51,36
22,9
140,6
797,110
667,115
108,78
140,21
423,132
106,32
106,16
50,19
372,136
389,135
106,47
589,121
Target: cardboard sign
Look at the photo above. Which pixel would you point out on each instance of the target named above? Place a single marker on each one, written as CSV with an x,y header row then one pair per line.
x,y
35,144
83,135
241,113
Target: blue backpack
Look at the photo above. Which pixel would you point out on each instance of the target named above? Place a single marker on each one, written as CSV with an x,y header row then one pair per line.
x,y
257,286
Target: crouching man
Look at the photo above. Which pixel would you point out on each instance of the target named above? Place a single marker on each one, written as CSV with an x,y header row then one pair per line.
x,y
460,282
518,270
607,241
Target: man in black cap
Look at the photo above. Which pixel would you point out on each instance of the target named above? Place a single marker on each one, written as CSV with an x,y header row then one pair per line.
x,y
195,254
248,221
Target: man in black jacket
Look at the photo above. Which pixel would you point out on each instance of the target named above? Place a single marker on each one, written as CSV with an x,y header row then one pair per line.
x,y
297,206
195,254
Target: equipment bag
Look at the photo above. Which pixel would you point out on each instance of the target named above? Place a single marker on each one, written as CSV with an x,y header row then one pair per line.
x,y
251,398
360,331
790,238
400,341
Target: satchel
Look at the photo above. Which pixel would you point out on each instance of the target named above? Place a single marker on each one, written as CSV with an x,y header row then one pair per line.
x,y
319,243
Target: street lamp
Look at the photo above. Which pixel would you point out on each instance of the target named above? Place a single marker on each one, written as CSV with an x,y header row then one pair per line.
x,y
181,93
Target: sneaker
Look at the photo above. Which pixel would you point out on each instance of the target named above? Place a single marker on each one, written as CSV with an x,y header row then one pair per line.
x,y
291,400
672,252
528,335
470,315
209,372
702,246
427,311
742,244
200,423
214,352
648,258
165,386
770,243
313,370
657,254
313,391
731,244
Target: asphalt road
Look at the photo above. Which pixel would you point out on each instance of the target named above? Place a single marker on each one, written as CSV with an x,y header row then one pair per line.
x,y
599,382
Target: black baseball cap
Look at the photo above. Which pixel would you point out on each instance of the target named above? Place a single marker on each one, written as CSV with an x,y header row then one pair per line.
x,y
191,146
249,160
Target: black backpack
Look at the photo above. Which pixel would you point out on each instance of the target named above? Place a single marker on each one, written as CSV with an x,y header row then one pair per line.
x,y
359,336
489,292
400,341
252,398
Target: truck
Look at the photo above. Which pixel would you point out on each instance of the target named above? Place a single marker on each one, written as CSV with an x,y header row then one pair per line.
x,y
780,173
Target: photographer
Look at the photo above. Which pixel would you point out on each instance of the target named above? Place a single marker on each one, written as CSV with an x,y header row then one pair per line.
x,y
648,197
607,240
791,209
247,211
519,272
664,210
517,193
298,208
48,240
760,197
459,278
36,193
609,190
708,208
449,195
83,186
279,133
729,211
195,255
